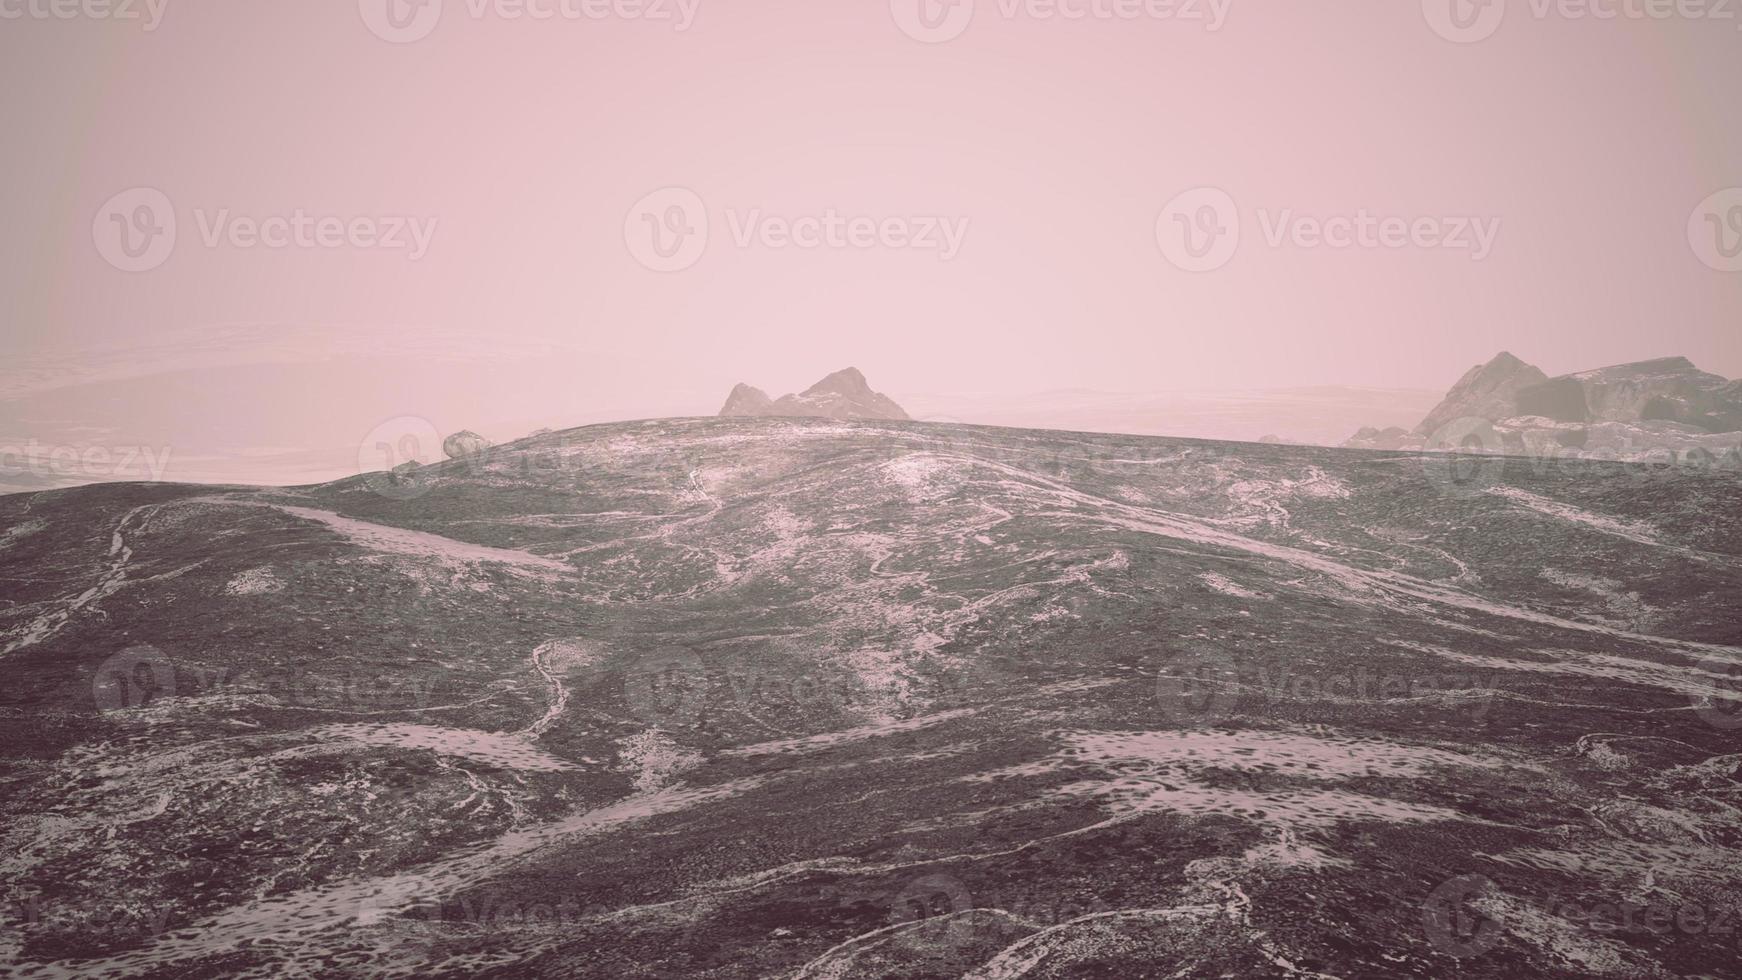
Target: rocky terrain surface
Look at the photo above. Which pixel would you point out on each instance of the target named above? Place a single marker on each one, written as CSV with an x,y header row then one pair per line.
x,y
842,395
745,698
1660,410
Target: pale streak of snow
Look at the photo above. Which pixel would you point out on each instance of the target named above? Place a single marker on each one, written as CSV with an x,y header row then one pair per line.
x,y
254,581
829,740
1131,796
1147,772
1576,943
411,544
1263,496
1635,531
1625,608
835,962
1295,754
1373,584
655,759
304,921
1226,586
18,532
1022,956
923,476
108,583
1668,677
507,751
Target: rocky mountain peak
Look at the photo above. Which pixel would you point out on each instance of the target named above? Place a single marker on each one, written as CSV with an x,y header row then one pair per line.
x,y
844,394
1485,391
746,400
847,381
1664,402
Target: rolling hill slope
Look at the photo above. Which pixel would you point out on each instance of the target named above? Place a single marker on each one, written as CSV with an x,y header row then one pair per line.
x,y
739,698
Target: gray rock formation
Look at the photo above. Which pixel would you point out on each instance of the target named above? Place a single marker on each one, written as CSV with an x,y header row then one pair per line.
x,y
465,444
746,401
842,395
1392,437
1628,411
1668,389
1486,391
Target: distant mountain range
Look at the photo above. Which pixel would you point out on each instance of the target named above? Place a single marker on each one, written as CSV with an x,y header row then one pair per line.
x,y
842,395
1625,411
1314,415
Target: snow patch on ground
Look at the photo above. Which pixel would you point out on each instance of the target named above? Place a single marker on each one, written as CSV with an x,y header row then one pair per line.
x,y
817,743
1692,682
1626,609
1170,771
655,759
414,544
1635,531
254,581
1226,586
18,532
922,476
506,751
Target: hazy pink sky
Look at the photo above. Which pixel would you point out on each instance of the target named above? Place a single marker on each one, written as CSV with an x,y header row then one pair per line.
x,y
527,143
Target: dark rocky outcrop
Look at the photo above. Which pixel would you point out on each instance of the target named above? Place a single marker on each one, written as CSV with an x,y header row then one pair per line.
x,y
465,444
842,395
746,400
1669,389
1627,410
1486,391
1561,399
1392,437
